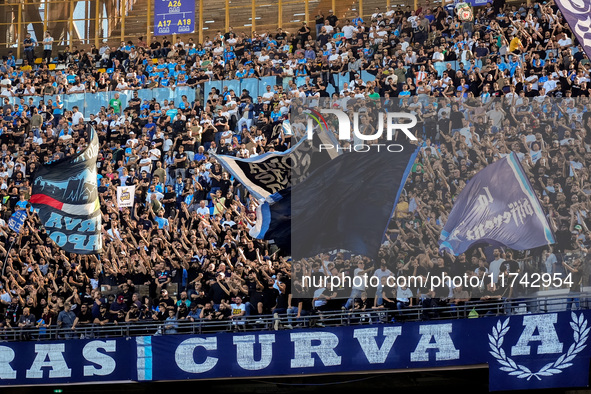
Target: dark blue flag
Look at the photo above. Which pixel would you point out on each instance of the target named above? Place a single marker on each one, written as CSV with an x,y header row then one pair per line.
x,y
498,206
66,198
345,204
274,220
271,172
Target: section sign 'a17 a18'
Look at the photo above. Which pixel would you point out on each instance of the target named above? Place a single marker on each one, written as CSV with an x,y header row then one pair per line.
x,y
174,16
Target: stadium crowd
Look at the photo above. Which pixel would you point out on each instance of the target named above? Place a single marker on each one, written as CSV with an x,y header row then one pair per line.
x,y
188,230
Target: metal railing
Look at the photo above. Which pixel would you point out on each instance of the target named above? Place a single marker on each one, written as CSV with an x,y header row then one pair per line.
x,y
316,318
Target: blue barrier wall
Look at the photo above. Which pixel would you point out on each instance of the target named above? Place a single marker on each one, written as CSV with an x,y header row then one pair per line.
x,y
89,103
531,351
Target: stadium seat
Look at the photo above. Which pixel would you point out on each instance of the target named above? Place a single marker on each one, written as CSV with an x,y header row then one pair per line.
x,y
173,289
38,60
144,290
52,66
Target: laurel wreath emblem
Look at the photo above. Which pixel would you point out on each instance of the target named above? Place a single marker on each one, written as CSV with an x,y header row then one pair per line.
x,y
580,335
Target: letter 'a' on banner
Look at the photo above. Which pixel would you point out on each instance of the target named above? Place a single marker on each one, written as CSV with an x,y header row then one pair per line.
x,y
66,197
498,206
577,14
125,196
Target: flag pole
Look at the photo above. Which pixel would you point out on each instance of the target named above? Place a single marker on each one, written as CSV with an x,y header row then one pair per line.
x,y
16,230
7,254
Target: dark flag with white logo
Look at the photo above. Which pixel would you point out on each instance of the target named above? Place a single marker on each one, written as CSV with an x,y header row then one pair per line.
x,y
577,14
498,206
345,204
273,171
66,198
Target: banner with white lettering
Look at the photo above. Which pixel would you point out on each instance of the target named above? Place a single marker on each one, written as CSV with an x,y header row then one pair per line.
x,y
532,351
125,196
498,206
66,361
66,197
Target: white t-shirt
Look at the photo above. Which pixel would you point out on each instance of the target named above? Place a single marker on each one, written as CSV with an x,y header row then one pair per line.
x,y
357,272
166,145
380,274
226,137
549,85
438,56
348,31
77,118
268,96
77,88
237,310
202,211
495,268
534,80
155,154
146,165
565,41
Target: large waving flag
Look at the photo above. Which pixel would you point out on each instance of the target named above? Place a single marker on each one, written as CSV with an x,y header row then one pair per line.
x,y
345,204
66,198
272,172
498,206
577,14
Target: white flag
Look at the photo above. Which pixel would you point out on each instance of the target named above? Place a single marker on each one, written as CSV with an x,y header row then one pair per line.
x,y
125,196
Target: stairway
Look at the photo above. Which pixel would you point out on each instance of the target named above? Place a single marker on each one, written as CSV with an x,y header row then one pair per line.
x,y
135,22
240,15
342,10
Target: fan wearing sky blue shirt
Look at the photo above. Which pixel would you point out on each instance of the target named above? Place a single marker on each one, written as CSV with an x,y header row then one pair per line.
x,y
160,220
22,202
172,112
241,73
229,54
276,114
145,105
165,80
184,104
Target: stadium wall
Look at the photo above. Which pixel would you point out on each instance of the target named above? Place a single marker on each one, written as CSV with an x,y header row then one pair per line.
x,y
531,351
